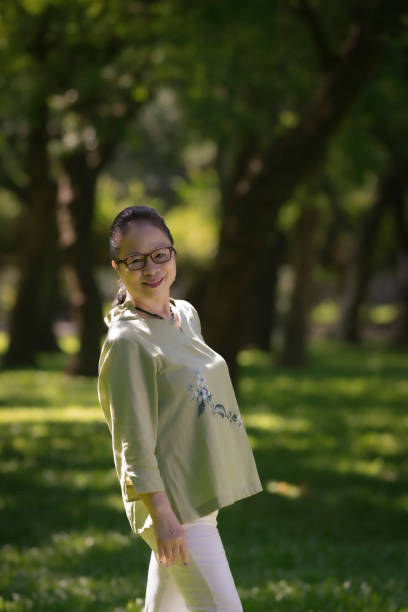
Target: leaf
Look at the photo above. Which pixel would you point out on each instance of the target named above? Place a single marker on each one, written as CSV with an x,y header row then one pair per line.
x,y
219,409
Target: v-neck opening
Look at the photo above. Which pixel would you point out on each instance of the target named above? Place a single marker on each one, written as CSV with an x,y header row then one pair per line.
x,y
181,317
183,320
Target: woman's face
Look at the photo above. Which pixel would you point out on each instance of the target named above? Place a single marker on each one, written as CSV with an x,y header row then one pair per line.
x,y
142,238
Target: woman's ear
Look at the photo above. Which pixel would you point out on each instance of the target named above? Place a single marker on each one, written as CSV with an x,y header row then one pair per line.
x,y
116,268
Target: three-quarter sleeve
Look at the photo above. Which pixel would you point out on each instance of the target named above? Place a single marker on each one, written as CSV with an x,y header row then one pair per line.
x,y
128,393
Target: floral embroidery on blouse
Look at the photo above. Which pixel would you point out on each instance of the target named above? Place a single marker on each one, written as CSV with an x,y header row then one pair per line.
x,y
202,395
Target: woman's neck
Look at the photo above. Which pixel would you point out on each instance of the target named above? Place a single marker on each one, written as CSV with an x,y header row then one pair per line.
x,y
160,307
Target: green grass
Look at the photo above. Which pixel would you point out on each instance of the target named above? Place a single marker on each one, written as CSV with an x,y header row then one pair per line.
x,y
328,534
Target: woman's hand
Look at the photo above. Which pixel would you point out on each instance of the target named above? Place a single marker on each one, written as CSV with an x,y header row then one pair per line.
x,y
171,539
170,535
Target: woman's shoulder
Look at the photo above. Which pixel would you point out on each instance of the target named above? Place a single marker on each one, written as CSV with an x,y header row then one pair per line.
x,y
191,315
126,329
186,306
188,309
125,345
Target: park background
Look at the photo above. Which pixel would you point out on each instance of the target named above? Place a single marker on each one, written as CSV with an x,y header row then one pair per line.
x,y
272,136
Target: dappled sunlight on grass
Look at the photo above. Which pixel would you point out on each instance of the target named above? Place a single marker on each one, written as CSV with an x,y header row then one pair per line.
x,y
376,467
70,413
384,443
349,594
274,422
64,573
331,525
44,388
286,489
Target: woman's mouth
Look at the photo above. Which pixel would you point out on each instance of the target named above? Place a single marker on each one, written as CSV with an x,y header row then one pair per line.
x,y
155,284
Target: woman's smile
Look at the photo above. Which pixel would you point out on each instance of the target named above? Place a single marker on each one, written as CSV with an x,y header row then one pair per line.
x,y
153,284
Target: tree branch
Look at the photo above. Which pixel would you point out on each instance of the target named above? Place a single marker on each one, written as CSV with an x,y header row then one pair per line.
x,y
326,56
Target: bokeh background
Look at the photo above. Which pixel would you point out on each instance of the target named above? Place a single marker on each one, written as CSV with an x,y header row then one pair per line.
x,y
272,136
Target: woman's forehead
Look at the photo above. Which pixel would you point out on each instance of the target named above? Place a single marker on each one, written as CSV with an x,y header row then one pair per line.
x,y
142,238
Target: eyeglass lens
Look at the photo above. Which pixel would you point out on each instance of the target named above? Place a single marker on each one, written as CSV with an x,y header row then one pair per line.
x,y
162,255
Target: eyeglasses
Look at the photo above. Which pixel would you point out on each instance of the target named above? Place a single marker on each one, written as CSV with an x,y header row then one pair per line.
x,y
158,256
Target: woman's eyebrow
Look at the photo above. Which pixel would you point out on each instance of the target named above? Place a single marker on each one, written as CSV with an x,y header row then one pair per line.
x,y
160,246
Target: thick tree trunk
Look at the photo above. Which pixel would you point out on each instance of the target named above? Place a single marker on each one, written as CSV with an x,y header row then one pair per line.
x,y
30,324
76,210
349,327
401,222
197,290
262,297
296,327
251,208
49,300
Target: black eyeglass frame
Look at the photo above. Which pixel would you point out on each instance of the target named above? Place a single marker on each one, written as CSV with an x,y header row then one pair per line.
x,y
146,255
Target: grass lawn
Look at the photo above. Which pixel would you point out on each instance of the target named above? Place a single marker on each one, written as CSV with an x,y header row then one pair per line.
x,y
328,534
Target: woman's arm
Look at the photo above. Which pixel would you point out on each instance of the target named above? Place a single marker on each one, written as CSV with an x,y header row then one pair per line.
x,y
170,535
128,394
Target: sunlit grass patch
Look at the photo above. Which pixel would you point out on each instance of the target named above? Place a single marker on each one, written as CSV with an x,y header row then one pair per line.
x,y
45,388
38,415
286,489
328,531
274,422
66,573
293,593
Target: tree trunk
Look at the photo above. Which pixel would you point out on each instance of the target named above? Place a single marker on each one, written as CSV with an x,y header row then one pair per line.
x,y
349,327
262,298
76,210
30,324
401,221
296,327
246,216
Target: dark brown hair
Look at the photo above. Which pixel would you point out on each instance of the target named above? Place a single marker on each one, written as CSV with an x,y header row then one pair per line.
x,y
119,227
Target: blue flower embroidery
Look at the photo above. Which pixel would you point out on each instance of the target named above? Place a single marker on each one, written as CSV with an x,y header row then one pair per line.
x,y
202,395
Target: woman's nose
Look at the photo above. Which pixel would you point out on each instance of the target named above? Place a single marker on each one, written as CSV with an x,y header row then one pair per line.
x,y
150,267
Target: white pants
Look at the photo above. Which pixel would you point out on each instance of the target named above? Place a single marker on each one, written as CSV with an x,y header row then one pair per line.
x,y
205,584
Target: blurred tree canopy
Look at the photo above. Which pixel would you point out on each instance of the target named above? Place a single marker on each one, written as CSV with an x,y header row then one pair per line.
x,y
268,133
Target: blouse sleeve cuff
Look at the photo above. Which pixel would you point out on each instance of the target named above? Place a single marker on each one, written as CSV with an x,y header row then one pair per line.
x,y
142,481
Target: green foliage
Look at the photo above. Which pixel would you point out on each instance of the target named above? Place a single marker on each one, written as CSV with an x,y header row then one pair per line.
x,y
194,221
383,314
241,70
112,196
326,313
327,533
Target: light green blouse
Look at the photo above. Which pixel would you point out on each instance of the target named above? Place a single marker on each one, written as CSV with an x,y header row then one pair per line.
x,y
171,409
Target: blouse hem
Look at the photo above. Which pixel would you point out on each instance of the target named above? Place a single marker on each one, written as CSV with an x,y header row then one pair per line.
x,y
216,503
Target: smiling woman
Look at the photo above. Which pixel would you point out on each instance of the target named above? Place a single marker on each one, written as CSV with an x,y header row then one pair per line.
x,y
144,259
180,448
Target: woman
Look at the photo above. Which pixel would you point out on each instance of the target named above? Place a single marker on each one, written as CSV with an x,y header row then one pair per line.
x,y
180,448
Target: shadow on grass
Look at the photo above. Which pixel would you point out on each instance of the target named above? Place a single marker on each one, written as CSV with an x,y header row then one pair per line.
x,y
337,427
